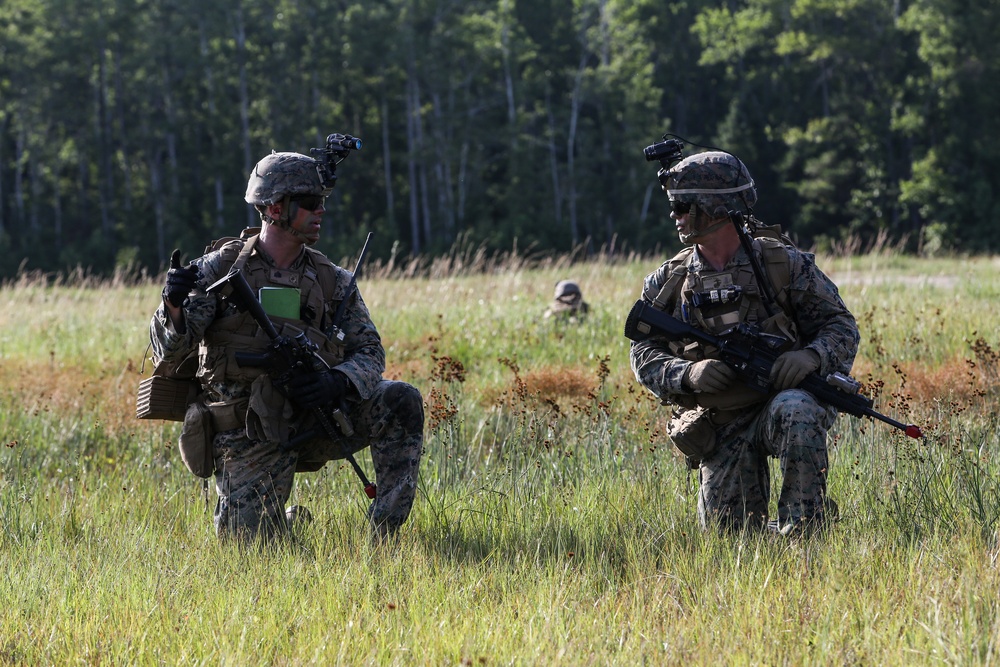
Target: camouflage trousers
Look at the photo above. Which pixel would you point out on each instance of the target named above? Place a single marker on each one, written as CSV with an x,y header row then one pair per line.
x,y
254,478
735,481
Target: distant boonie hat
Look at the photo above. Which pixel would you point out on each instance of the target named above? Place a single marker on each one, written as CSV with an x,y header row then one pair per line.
x,y
566,288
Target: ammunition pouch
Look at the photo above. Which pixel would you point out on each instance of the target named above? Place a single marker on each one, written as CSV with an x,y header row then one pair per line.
x,y
693,433
195,444
201,422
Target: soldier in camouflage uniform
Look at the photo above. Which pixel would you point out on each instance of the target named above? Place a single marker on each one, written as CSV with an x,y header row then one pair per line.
x,y
252,422
727,430
567,303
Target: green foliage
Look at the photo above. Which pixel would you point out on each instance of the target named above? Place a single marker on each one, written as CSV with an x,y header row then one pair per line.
x,y
133,124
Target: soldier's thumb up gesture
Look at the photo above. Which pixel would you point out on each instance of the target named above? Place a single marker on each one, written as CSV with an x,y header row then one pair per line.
x,y
180,280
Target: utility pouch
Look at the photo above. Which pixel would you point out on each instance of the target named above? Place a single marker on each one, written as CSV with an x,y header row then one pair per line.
x,y
164,398
195,443
167,393
693,433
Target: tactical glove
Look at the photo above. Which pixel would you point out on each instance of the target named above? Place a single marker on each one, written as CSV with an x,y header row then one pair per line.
x,y
791,368
709,376
180,280
319,388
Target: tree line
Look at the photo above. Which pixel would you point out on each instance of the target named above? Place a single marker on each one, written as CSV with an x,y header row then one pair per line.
x,y
129,127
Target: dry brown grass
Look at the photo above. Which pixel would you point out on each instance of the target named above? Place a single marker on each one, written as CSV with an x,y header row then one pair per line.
x,y
958,385
68,392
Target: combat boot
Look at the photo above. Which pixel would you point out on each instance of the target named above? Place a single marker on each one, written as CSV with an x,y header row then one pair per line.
x,y
297,515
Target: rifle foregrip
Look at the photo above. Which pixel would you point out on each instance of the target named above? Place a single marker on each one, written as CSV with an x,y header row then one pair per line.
x,y
852,404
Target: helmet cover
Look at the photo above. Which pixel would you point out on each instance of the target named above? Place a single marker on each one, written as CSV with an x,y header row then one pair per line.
x,y
284,174
715,181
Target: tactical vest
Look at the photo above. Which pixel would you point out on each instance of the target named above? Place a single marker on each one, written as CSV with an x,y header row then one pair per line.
x,y
238,332
718,301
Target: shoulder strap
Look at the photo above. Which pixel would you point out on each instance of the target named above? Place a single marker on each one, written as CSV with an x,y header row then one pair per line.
x,y
248,247
777,267
677,272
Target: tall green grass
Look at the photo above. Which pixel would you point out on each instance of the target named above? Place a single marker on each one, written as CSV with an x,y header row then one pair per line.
x,y
553,523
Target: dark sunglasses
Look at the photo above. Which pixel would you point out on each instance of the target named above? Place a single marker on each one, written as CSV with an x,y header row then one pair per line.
x,y
309,202
680,207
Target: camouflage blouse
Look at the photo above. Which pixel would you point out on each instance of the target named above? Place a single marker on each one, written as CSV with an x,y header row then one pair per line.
x,y
364,356
825,325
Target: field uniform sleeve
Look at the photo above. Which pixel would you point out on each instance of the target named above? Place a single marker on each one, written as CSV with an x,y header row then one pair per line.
x,y
199,311
654,366
825,324
364,356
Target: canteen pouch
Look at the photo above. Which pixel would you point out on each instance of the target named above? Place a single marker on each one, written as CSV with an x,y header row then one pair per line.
x,y
195,443
693,433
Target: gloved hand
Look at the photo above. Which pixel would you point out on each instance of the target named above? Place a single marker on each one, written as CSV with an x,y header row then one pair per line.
x,y
319,388
709,376
790,368
180,280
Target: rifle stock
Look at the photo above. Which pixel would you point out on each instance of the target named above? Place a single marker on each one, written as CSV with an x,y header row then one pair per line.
x,y
752,354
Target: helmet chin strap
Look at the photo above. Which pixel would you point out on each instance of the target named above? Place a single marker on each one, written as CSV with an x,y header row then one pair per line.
x,y
692,238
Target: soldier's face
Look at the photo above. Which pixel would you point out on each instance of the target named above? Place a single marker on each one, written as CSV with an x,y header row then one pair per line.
x,y
684,216
308,222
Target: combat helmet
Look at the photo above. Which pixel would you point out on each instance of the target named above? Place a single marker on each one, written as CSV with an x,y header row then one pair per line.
x,y
281,175
715,181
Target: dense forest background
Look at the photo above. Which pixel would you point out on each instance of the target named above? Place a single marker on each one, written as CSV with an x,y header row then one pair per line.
x,y
128,127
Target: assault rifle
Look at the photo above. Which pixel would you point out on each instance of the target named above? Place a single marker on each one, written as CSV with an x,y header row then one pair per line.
x,y
289,356
752,353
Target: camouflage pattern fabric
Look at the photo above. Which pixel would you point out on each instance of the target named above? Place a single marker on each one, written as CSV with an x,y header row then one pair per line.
x,y
364,356
254,477
791,426
567,303
713,180
283,174
735,484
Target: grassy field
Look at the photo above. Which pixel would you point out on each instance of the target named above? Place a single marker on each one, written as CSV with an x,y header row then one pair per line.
x,y
554,523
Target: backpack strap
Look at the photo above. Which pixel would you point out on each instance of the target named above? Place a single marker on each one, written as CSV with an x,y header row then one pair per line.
x,y
665,298
777,268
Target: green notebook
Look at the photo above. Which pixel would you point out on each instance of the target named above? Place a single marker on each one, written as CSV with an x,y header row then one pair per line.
x,y
280,301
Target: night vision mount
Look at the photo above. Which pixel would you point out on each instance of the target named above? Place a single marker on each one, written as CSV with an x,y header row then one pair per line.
x,y
338,147
667,152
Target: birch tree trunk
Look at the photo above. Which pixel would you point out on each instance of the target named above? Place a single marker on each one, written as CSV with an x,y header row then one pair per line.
x,y
241,59
390,203
574,116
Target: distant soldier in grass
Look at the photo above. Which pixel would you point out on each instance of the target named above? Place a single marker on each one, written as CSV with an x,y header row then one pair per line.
x,y
254,429
567,303
728,430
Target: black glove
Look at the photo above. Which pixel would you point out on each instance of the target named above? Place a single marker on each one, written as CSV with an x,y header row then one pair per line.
x,y
319,388
180,280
